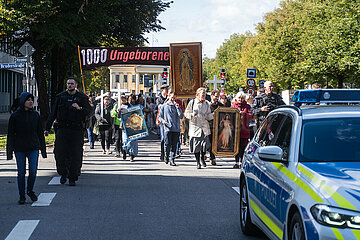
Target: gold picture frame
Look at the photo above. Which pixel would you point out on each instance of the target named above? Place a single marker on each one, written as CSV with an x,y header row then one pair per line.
x,y
226,132
186,68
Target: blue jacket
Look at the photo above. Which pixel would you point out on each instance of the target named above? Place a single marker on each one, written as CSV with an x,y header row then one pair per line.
x,y
172,115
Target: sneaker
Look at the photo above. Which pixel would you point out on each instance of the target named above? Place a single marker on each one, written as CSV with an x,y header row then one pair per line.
x,y
132,158
104,152
72,183
213,162
22,200
32,196
63,179
92,147
109,152
236,166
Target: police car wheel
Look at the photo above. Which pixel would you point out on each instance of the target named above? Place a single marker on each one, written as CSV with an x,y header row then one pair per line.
x,y
247,227
296,228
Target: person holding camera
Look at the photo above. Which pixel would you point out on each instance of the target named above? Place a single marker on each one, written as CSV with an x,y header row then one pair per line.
x,y
266,102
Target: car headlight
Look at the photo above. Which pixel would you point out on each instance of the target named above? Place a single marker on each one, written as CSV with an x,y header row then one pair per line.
x,y
336,217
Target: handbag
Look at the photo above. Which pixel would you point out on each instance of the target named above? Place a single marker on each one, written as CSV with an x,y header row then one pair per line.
x,y
96,128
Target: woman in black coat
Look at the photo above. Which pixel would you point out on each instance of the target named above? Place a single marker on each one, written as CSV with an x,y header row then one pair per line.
x,y
25,138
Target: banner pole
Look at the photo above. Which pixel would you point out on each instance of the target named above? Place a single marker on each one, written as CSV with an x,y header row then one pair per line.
x,y
81,71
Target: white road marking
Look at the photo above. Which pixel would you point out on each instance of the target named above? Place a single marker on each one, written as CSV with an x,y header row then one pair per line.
x,y
44,199
236,189
23,230
55,181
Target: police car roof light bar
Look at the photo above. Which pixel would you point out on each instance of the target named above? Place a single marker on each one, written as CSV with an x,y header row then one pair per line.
x,y
326,96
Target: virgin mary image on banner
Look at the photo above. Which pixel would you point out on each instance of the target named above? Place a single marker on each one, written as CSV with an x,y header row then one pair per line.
x,y
226,136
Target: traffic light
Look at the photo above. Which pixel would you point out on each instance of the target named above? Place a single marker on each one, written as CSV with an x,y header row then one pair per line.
x,y
165,74
222,75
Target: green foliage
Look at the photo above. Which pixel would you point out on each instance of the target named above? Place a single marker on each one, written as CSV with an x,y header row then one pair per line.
x,y
302,42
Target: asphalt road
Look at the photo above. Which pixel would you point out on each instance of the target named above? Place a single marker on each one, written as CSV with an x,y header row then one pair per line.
x,y
117,199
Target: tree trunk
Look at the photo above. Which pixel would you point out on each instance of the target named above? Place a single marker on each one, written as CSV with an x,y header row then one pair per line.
x,y
340,81
54,74
41,81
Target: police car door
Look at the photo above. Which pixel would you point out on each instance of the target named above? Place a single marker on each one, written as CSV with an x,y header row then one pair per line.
x,y
272,187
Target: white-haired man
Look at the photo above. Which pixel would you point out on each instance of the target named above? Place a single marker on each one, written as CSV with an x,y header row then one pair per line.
x,y
266,102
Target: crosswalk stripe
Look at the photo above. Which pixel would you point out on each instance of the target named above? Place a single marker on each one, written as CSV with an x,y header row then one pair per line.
x,y
23,230
236,189
55,181
44,199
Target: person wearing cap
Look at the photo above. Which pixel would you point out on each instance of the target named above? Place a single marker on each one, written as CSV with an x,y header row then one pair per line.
x,y
159,103
25,138
224,102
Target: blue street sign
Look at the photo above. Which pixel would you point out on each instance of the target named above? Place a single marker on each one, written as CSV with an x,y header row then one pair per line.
x,y
251,73
11,65
261,83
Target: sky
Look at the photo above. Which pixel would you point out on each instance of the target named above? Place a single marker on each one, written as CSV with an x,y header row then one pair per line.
x,y
209,21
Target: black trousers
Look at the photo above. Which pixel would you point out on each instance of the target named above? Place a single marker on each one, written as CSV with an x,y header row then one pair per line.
x,y
118,139
105,136
212,155
68,152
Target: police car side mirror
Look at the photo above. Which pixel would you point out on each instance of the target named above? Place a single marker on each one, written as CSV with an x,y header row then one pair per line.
x,y
271,154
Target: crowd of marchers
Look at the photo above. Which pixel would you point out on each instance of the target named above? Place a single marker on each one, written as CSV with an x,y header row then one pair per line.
x,y
178,122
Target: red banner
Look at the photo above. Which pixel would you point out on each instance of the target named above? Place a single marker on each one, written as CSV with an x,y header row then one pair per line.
x,y
91,57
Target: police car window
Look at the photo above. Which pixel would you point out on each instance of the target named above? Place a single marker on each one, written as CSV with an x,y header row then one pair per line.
x,y
282,139
270,129
330,140
262,130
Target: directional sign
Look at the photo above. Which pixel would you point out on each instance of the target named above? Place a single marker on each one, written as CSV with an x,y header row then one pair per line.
x,y
251,91
11,65
21,59
251,82
251,73
261,83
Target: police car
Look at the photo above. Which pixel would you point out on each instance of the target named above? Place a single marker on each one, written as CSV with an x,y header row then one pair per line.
x,y
300,176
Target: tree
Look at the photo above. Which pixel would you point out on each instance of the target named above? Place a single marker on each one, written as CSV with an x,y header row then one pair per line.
x,y
55,28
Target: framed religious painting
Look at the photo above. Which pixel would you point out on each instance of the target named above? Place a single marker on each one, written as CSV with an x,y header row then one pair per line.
x,y
226,131
134,123
186,68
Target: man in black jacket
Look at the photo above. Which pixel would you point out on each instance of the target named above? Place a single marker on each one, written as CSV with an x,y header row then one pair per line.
x,y
69,113
266,102
25,138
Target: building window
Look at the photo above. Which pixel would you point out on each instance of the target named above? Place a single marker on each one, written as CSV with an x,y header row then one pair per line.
x,y
125,78
148,80
133,78
141,79
117,78
141,92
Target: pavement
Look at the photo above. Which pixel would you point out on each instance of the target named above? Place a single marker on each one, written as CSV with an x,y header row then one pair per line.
x,y
119,199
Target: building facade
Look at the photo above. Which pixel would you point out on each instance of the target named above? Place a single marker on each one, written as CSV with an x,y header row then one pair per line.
x,y
137,79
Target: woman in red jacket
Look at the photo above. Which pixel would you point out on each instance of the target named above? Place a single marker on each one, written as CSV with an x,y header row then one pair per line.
x,y
245,109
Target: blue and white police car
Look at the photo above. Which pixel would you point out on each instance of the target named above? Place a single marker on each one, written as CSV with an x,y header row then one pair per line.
x,y
300,176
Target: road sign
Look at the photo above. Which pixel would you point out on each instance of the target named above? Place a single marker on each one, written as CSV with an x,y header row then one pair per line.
x,y
21,59
26,49
251,91
261,83
11,65
251,73
251,82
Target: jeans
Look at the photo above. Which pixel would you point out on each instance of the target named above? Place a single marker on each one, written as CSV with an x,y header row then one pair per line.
x,y
171,140
91,136
118,139
21,168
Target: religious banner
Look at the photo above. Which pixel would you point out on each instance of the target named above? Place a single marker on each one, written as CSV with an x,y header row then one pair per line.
x,y
186,68
91,57
134,123
226,131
